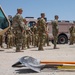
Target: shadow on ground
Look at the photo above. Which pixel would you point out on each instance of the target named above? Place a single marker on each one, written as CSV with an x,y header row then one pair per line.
x,y
57,70
1,50
23,71
43,50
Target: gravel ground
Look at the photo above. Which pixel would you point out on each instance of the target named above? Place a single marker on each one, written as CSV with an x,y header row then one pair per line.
x,y
8,57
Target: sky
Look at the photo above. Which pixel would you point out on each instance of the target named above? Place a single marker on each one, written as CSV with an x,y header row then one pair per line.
x,y
65,9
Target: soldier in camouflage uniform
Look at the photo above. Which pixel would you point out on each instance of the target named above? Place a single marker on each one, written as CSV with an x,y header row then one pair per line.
x,y
55,30
41,28
18,28
27,35
47,35
34,35
28,39
72,34
10,38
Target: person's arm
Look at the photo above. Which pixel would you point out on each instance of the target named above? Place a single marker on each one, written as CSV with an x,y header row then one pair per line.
x,y
21,23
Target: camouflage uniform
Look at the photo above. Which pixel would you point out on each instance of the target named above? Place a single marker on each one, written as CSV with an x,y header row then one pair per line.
x,y
10,37
55,31
18,30
24,39
24,35
47,36
72,35
34,35
41,28
44,38
27,36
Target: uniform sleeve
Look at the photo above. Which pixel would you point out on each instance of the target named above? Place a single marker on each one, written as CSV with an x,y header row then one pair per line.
x,y
20,21
44,25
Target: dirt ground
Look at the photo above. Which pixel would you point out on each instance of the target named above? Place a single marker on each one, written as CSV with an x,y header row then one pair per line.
x,y
8,57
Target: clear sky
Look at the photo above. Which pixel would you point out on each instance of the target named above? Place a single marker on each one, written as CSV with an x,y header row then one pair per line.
x,y
64,8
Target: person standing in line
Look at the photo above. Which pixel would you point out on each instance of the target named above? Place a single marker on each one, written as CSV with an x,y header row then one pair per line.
x,y
41,28
47,35
18,29
55,30
10,38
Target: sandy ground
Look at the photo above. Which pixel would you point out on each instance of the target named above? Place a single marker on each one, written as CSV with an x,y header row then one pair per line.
x,y
8,57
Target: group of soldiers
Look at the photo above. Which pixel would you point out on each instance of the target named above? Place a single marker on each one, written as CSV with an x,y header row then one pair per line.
x,y
22,36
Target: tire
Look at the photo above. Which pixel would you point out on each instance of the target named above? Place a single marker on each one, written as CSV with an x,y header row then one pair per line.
x,y
62,39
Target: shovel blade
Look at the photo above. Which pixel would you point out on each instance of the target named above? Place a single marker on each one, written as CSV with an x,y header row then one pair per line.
x,y
32,63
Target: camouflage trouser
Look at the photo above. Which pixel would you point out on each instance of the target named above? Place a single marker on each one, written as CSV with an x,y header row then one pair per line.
x,y
24,42
55,40
32,39
47,39
44,39
9,42
27,40
40,39
18,40
72,39
35,40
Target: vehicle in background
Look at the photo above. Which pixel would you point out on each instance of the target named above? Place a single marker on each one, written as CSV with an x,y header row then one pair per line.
x,y
4,22
31,21
63,35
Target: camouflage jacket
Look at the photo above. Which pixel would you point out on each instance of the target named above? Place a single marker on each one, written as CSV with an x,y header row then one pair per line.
x,y
72,31
41,25
18,23
55,27
34,29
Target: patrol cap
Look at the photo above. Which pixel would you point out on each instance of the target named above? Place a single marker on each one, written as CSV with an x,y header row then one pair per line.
x,y
42,13
19,9
56,16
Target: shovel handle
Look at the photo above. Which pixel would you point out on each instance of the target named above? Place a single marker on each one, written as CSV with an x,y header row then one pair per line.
x,y
55,62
